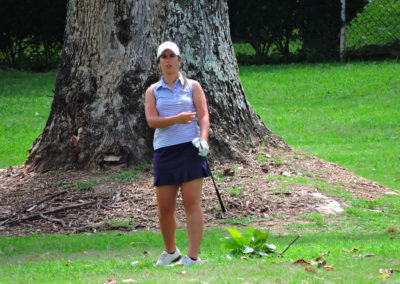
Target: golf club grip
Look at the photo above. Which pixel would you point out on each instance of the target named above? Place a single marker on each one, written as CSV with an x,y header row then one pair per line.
x,y
216,189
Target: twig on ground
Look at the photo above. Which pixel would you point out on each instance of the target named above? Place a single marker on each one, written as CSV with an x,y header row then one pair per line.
x,y
31,207
298,236
53,220
35,216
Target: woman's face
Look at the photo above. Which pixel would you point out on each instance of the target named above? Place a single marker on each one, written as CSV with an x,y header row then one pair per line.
x,y
169,62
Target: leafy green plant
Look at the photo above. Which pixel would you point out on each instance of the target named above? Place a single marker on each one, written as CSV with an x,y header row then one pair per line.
x,y
237,221
126,176
123,223
233,191
252,242
377,24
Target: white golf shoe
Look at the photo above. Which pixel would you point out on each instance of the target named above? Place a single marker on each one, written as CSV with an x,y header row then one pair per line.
x,y
167,258
187,261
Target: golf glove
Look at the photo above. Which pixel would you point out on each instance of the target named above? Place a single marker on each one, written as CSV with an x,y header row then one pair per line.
x,y
202,145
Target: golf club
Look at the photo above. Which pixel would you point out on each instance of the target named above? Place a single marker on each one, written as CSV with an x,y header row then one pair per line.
x,y
216,189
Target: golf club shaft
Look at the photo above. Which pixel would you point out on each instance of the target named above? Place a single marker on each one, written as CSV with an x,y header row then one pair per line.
x,y
216,189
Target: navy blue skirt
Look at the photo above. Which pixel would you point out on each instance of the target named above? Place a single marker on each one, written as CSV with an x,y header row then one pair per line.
x,y
177,164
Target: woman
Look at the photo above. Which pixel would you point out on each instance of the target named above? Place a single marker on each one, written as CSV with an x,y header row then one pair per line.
x,y
176,107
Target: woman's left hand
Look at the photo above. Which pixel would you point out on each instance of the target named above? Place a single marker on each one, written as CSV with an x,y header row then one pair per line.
x,y
202,145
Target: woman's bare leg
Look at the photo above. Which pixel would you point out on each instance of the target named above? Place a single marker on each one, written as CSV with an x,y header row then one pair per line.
x,y
191,195
166,200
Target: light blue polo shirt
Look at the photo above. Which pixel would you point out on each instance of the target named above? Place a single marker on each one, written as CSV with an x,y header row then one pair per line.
x,y
169,103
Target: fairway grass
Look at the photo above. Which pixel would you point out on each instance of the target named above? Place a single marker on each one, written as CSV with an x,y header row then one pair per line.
x,y
95,258
345,113
25,101
355,245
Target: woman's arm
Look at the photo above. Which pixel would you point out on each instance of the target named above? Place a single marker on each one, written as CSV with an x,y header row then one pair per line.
x,y
200,103
156,121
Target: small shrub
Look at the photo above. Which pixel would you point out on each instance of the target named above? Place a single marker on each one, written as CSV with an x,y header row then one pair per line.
x,y
251,242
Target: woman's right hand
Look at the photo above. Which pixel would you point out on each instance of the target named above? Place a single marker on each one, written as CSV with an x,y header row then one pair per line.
x,y
185,117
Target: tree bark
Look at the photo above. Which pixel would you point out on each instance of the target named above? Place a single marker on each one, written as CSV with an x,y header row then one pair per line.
x,y
97,116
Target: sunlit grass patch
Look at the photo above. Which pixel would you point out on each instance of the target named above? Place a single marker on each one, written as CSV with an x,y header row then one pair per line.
x,y
345,113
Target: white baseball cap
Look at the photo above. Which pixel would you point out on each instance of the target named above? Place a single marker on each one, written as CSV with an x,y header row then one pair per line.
x,y
167,45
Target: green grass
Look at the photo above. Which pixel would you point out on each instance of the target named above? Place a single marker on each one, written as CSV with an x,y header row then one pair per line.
x,y
345,113
25,101
94,258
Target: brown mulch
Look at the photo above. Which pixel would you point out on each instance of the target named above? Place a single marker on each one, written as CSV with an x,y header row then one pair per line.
x,y
266,195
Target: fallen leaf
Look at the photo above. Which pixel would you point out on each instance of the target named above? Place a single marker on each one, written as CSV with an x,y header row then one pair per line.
x,y
244,258
229,172
329,267
386,271
182,272
301,261
83,251
351,250
363,255
135,262
321,261
392,230
309,269
265,169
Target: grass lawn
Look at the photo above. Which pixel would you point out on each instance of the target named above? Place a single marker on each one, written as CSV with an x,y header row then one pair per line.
x,y
356,245
345,113
25,101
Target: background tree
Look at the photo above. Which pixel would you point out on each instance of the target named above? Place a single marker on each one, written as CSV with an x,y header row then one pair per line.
x,y
273,24
320,29
250,24
108,61
285,23
31,33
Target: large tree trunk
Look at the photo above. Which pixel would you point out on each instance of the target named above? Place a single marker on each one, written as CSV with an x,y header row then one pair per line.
x,y
108,61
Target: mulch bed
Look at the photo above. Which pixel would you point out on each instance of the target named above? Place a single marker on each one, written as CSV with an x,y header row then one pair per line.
x,y
266,195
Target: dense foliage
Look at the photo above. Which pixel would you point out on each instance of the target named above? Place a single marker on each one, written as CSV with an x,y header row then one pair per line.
x,y
31,33
294,29
379,23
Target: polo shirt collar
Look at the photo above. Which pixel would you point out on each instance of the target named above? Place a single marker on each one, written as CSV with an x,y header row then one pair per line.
x,y
162,83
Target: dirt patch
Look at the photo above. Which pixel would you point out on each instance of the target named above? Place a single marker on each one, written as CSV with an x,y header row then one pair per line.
x,y
271,188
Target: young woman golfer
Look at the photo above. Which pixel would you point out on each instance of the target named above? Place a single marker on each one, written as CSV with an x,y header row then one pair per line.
x,y
176,107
